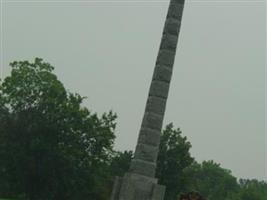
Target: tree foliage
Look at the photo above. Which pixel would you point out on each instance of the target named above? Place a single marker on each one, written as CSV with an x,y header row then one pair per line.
x,y
53,148
120,163
252,190
173,158
50,146
210,180
217,183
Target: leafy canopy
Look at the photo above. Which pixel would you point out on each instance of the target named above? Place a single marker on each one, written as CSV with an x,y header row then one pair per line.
x,y
50,146
174,156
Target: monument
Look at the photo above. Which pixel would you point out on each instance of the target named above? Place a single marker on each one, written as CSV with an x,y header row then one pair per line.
x,y
140,182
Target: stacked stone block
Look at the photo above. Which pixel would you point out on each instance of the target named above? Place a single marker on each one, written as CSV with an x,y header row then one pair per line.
x,y
139,183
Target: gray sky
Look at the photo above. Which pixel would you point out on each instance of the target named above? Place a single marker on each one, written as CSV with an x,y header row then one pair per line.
x,y
107,51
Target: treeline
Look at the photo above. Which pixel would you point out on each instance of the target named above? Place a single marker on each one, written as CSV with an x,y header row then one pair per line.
x,y
53,148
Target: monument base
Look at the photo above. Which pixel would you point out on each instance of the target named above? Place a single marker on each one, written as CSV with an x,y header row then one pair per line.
x,y
137,187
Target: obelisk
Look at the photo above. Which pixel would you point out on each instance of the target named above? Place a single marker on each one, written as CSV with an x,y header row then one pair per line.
x,y
140,182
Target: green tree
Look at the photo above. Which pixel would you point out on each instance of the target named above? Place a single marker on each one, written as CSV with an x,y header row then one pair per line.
x,y
120,163
252,189
212,181
173,158
50,146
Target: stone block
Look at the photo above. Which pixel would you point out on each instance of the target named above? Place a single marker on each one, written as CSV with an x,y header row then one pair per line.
x,y
156,105
175,10
139,187
143,167
169,42
116,188
172,26
159,89
162,73
152,121
158,192
149,136
166,57
146,152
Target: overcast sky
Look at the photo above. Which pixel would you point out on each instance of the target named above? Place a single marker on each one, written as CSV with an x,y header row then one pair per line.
x,y
106,50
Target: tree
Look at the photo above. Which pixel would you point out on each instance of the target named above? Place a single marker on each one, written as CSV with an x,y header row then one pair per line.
x,y
120,163
191,196
50,146
212,181
252,189
173,158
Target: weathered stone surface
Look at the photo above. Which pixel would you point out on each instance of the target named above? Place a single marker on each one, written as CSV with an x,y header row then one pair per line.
x,y
149,136
158,192
162,73
143,167
116,188
159,89
175,10
166,57
146,152
169,41
152,120
172,26
156,105
138,187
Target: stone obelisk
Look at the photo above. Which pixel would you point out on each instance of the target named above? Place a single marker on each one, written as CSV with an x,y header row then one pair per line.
x,y
140,182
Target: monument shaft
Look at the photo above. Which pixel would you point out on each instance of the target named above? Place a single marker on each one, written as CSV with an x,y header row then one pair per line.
x,y
139,183
149,137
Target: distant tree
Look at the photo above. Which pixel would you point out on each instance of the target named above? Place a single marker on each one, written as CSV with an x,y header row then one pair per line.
x,y
252,190
50,146
173,158
212,181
